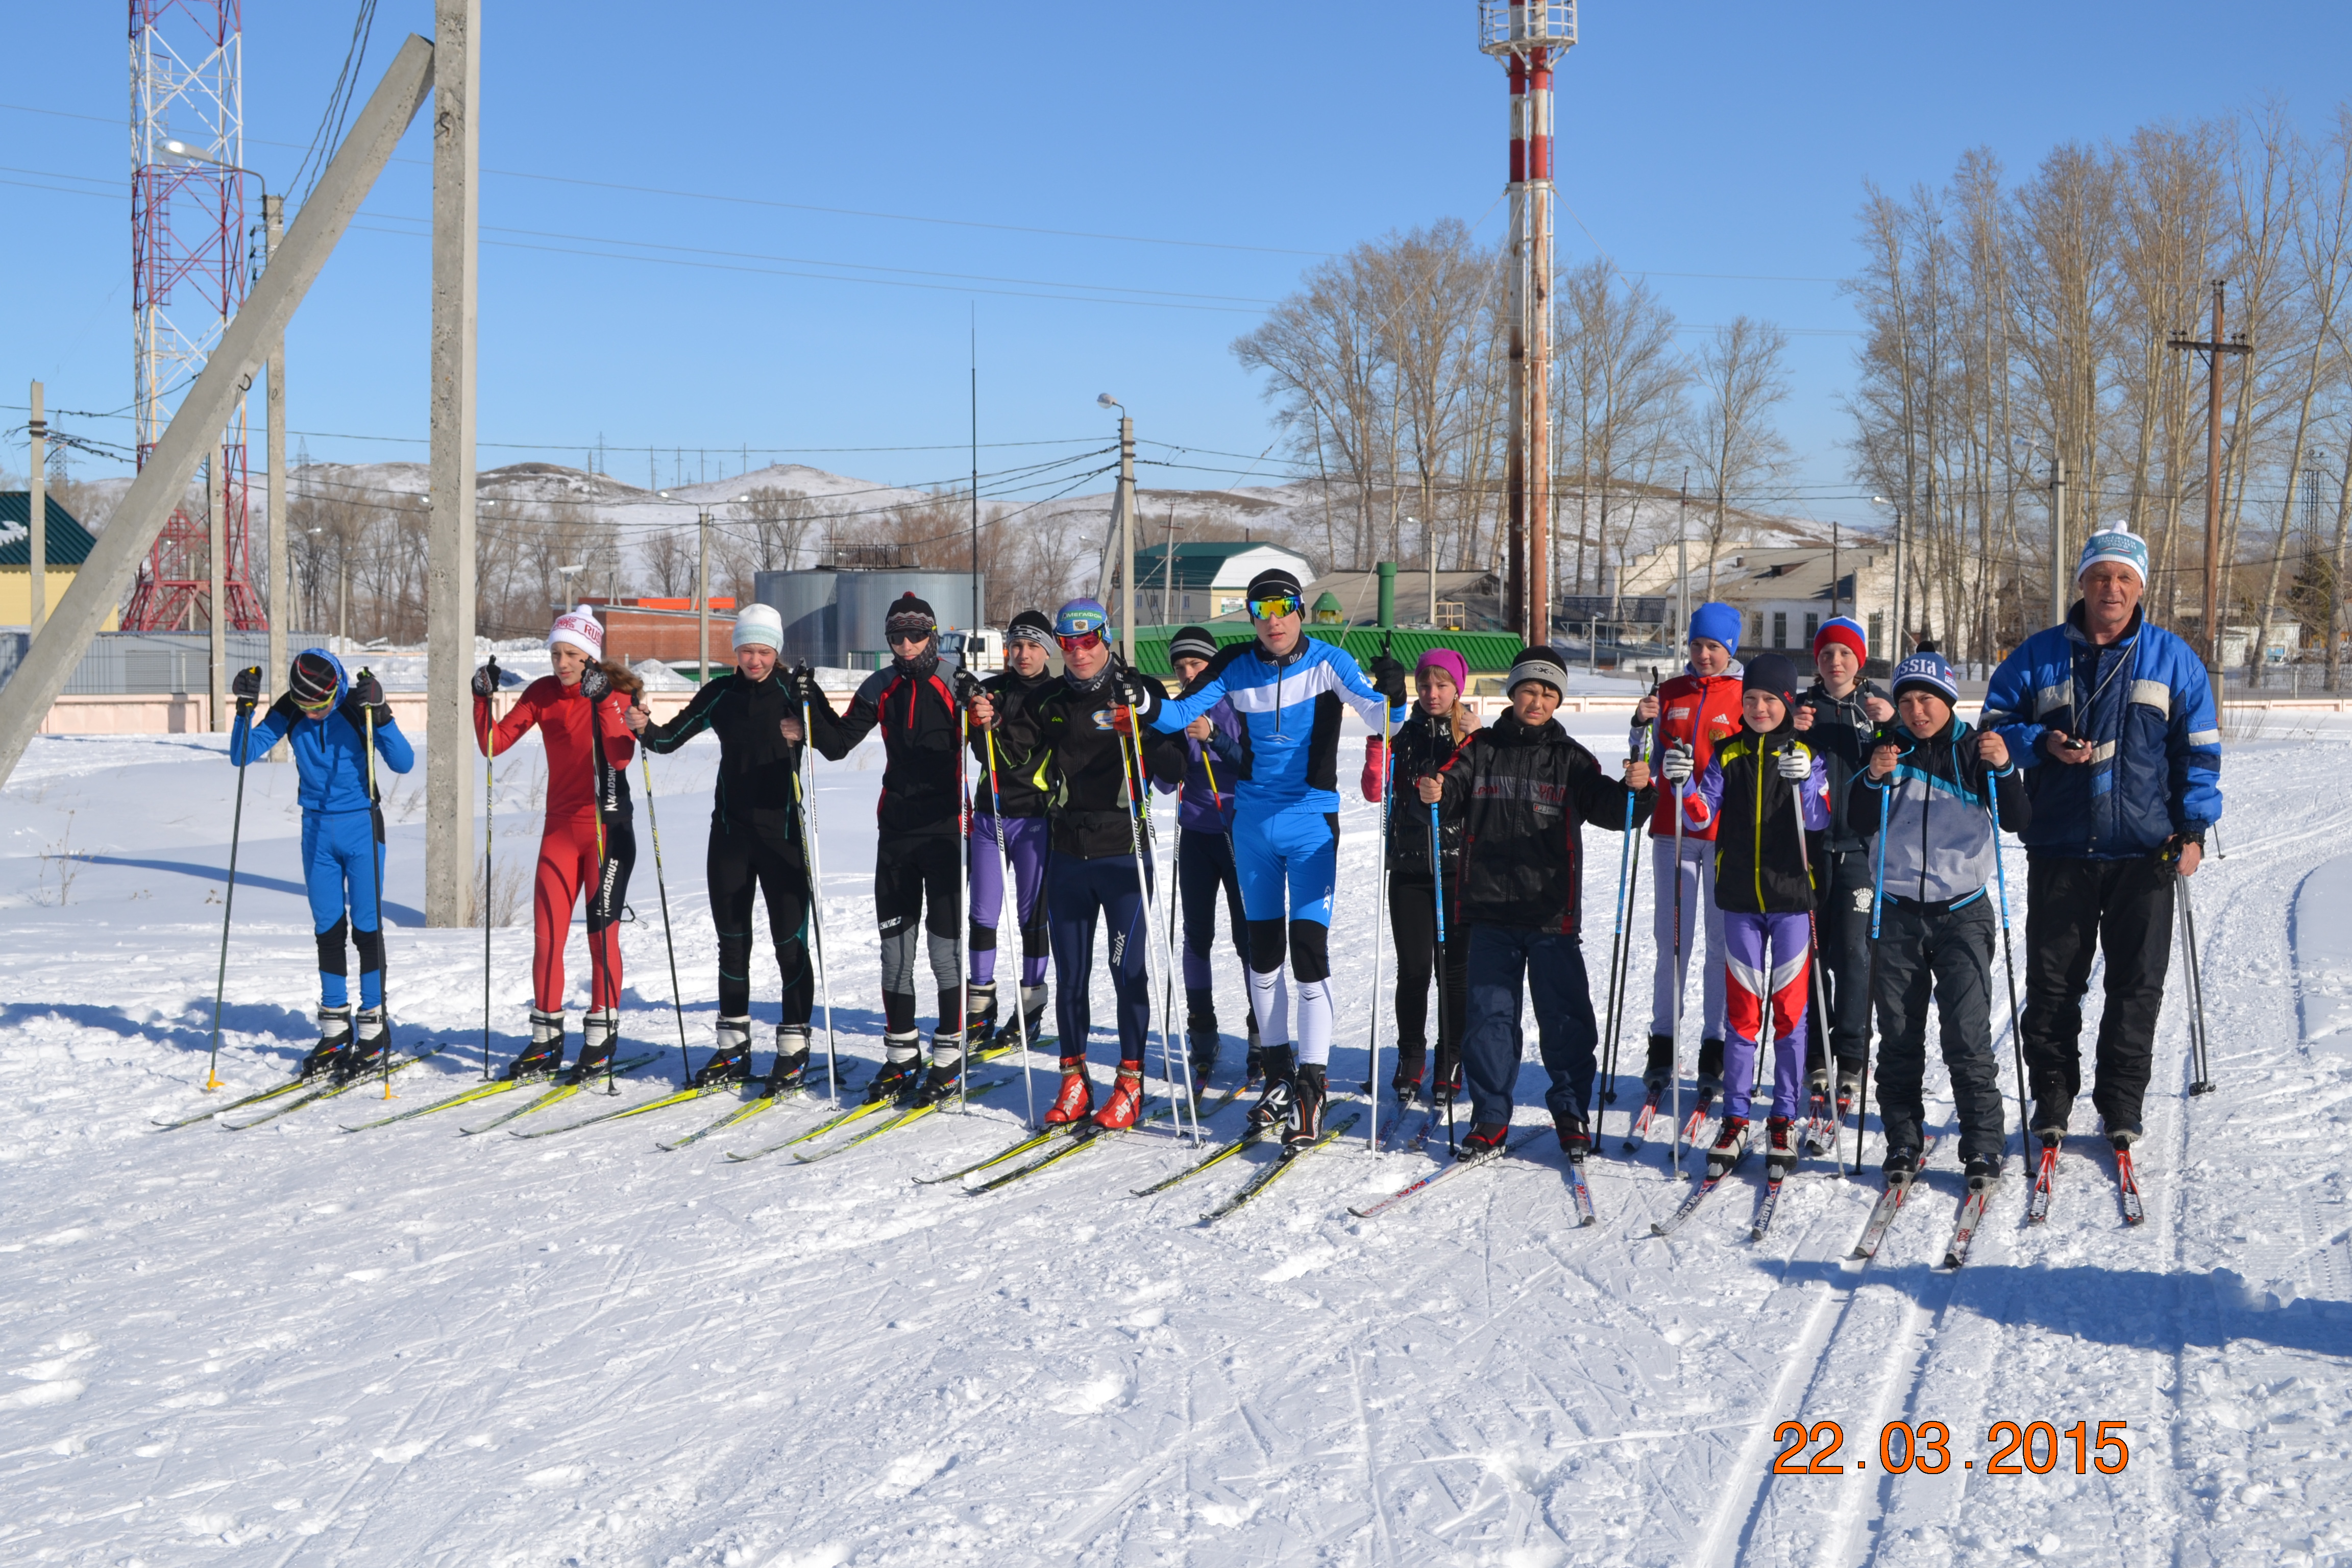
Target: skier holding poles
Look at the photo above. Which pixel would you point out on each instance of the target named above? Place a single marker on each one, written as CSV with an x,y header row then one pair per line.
x,y
756,844
1081,727
324,718
1440,725
1204,859
1289,689
1013,825
1938,776
587,845
1519,793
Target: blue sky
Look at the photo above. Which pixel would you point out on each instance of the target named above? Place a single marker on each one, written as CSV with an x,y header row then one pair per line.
x,y
1719,148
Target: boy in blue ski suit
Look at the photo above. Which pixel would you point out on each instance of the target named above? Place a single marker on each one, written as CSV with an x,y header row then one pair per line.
x,y
1289,691
324,719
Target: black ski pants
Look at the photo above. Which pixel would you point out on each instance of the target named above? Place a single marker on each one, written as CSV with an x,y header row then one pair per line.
x,y
917,898
742,860
1842,931
1412,922
1204,867
2123,908
1947,954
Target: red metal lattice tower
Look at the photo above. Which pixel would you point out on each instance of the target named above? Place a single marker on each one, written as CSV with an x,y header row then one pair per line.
x,y
189,273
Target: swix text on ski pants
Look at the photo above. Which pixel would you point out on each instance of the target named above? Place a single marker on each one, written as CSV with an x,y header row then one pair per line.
x,y
1075,890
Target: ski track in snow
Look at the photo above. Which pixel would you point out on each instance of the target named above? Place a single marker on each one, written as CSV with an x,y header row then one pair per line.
x,y
294,1345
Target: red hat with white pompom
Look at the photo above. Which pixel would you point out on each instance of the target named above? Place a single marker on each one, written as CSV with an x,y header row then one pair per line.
x,y
578,628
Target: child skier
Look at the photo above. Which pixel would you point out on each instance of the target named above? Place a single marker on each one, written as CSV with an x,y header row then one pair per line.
x,y
1935,784
1205,858
1764,886
324,720
1521,791
587,844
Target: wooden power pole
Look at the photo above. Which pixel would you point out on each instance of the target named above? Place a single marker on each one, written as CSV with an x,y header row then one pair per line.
x,y
2214,348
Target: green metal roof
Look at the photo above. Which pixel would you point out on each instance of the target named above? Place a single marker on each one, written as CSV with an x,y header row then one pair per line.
x,y
68,541
1489,652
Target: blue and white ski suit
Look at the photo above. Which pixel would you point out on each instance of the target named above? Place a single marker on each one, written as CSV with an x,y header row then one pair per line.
x,y
342,848
1286,831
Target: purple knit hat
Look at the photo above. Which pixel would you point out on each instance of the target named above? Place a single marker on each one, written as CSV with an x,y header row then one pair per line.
x,y
1450,662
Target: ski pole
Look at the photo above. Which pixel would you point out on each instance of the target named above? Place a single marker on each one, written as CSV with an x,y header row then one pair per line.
x,y
2195,978
1877,907
597,771
228,901
1622,939
1130,753
963,899
1380,914
489,811
2009,965
376,858
1445,1018
653,825
1813,952
805,798
1004,870
1675,1014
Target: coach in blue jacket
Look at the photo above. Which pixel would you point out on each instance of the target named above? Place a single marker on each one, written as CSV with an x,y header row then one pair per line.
x,y
2112,721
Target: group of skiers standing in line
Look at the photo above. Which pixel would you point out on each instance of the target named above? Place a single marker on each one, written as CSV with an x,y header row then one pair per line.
x,y
1844,820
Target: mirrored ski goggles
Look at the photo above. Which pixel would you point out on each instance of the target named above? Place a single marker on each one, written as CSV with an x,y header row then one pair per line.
x,y
1275,608
1077,641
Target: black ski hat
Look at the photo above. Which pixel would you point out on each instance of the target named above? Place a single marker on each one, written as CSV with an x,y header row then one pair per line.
x,y
910,614
314,678
1771,672
1274,579
1031,626
1192,642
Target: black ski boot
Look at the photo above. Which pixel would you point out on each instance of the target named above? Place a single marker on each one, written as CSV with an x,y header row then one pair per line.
x,y
1849,1090
1201,1037
947,1071
1306,1098
1033,1012
2050,1114
1659,1071
1899,1167
902,1059
335,1039
979,1014
1984,1172
600,1031
791,1069
1710,1069
1273,1107
543,1057
1405,1082
371,1043
1575,1136
731,1062
1253,1064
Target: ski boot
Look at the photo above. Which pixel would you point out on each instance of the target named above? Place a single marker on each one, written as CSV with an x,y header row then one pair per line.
x,y
1307,1096
1984,1172
790,1068
1658,1072
1849,1091
1575,1136
600,1030
1126,1101
1485,1138
1899,1167
1253,1064
335,1039
1033,1012
1710,1069
731,1062
946,1076
2051,1115
1076,1098
902,1058
1730,1145
2123,1138
371,1043
979,1014
1272,1108
1780,1149
1405,1082
543,1057
1201,1037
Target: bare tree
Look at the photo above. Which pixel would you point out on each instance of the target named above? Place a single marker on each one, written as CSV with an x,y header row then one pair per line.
x,y
669,555
1621,395
1731,438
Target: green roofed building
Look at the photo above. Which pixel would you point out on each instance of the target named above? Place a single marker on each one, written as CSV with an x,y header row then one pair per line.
x,y
68,546
1205,579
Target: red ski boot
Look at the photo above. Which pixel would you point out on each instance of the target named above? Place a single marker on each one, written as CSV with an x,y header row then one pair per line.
x,y
1077,1095
1126,1101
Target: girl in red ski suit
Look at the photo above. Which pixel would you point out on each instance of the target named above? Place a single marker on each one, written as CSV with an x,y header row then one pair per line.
x,y
587,843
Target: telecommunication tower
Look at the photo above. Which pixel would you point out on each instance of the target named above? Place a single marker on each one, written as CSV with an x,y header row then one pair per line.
x,y
1529,39
189,273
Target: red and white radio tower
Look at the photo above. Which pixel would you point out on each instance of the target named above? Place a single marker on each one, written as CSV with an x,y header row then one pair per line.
x,y
1529,38
189,273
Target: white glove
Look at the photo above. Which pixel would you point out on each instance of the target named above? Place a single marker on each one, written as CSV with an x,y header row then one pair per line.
x,y
1675,765
1795,765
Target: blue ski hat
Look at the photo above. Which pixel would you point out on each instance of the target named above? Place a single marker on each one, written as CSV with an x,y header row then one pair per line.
x,y
1928,671
1080,616
1716,623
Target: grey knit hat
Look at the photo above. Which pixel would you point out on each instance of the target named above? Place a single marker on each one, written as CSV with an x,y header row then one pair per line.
x,y
1538,664
1192,642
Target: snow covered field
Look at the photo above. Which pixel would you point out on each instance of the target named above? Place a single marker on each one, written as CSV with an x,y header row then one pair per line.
x,y
294,1345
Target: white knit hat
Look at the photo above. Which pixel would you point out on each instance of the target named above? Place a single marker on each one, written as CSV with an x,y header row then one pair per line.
x,y
579,628
759,626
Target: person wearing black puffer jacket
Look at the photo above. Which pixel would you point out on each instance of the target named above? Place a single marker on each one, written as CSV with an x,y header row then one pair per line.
x,y
1522,792
1008,835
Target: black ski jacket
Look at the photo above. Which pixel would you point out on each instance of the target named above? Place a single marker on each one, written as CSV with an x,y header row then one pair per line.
x,y
1841,732
1419,746
920,744
1522,797
1019,792
1079,758
757,766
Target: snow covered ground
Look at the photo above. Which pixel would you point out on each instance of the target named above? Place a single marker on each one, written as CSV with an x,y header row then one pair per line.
x,y
295,1345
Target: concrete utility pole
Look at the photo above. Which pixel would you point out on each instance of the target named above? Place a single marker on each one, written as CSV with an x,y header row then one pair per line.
x,y
2060,596
2213,349
449,567
702,586
273,231
216,607
38,517
1127,536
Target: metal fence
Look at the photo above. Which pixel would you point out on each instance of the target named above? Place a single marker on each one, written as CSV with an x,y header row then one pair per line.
x,y
152,664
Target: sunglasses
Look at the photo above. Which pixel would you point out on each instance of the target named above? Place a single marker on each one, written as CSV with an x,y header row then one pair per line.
x,y
896,637
1080,641
1273,609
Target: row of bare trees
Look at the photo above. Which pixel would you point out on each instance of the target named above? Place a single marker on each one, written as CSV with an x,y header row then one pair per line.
x,y
2013,327
1388,372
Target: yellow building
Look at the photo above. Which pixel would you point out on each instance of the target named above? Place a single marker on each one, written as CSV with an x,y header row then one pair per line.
x,y
68,546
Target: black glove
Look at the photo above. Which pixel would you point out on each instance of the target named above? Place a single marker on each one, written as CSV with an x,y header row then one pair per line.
x,y
485,680
1388,676
594,684
800,682
1138,692
967,687
367,696
245,686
